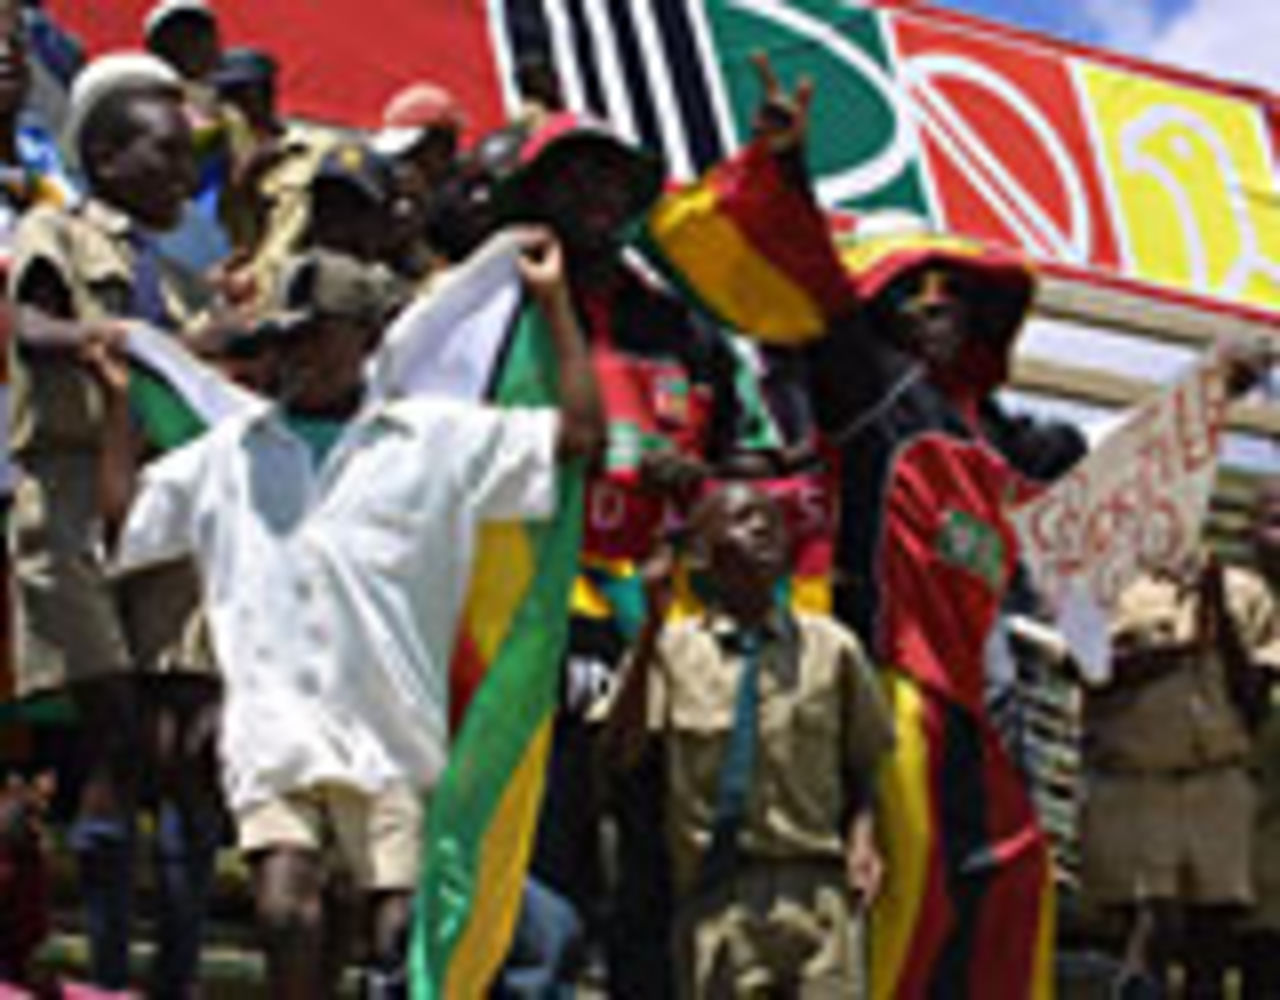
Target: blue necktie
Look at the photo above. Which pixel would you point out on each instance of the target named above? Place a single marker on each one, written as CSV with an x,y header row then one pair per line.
x,y
738,767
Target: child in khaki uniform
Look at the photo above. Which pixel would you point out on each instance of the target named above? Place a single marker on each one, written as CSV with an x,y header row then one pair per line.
x,y
1169,807
1260,961
773,725
93,264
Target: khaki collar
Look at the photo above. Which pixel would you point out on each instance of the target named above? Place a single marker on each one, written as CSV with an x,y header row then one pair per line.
x,y
778,625
110,220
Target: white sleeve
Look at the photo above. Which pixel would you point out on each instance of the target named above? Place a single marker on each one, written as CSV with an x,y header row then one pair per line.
x,y
160,525
510,466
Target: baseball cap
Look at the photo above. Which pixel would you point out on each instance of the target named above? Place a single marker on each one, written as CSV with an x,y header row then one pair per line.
x,y
244,66
164,11
566,134
356,165
413,112
322,284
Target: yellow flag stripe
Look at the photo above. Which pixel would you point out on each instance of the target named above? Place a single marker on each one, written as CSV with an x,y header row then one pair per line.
x,y
907,836
731,276
503,859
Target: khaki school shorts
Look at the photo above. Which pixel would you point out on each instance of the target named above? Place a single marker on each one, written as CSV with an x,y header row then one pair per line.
x,y
774,928
1183,837
376,839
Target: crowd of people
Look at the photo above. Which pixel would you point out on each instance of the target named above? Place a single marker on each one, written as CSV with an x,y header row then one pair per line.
x,y
775,770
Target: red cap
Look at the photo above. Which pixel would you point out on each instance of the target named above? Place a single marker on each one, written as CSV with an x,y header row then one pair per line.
x,y
412,112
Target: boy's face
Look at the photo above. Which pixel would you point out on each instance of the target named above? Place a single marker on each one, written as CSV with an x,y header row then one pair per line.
x,y
191,44
152,174
433,156
744,538
347,221
256,101
321,364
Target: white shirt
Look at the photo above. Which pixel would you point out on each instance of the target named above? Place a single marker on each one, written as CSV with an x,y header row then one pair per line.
x,y
333,595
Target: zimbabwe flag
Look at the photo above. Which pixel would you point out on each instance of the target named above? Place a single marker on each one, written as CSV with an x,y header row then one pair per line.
x,y
749,244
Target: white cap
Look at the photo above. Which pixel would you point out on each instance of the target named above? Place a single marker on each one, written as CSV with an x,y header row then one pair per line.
x,y
106,75
165,9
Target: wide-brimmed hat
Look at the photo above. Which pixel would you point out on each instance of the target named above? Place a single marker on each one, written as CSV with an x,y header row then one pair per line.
x,y
889,253
567,134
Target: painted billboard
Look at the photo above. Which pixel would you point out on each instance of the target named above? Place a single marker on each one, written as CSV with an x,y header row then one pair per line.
x,y
1098,165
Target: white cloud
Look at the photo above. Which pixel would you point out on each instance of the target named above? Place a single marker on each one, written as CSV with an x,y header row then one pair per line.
x,y
1235,39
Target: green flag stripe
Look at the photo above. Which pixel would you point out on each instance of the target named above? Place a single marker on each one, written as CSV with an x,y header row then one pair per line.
x,y
516,696
166,418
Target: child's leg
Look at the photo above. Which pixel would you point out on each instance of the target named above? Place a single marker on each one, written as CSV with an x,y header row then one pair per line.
x,y
288,885
386,977
285,841
1208,938
1148,948
1260,965
381,840
188,826
102,836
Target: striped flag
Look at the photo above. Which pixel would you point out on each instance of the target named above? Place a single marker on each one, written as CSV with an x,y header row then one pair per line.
x,y
475,337
749,243
174,395
647,68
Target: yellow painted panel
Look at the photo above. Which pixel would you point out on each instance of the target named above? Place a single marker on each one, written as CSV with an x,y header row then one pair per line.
x,y
1191,177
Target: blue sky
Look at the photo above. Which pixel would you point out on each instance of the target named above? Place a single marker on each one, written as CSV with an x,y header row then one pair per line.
x,y
1239,39
1077,20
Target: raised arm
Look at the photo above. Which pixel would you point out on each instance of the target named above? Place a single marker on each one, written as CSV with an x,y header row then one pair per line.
x,y
626,728
582,426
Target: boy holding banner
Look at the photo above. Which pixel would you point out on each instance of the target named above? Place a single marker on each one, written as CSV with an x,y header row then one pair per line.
x,y
334,536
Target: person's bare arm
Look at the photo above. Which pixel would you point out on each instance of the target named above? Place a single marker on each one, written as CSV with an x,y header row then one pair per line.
x,y
1248,684
626,727
582,426
781,120
102,351
864,863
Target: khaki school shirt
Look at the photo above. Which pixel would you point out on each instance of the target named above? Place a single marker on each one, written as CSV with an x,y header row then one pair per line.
x,y
823,725
57,404
1183,719
56,436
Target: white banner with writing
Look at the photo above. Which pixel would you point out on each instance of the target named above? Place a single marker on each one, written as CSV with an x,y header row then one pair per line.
x,y
1138,500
